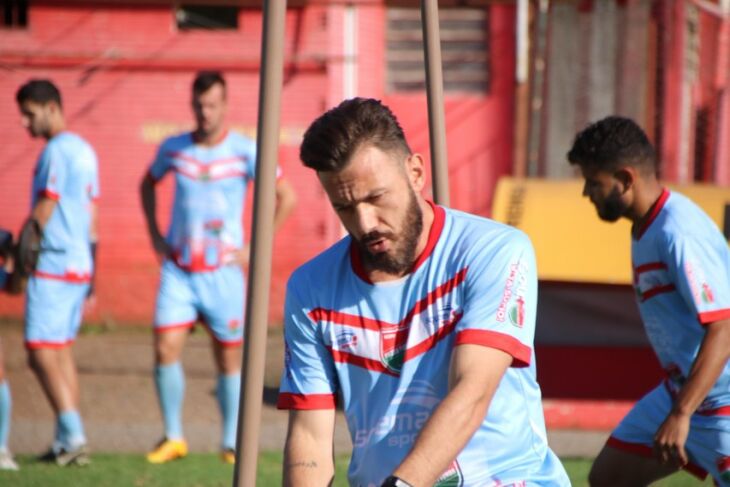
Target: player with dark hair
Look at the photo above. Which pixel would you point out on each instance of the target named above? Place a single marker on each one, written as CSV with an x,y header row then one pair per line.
x,y
422,320
65,191
681,264
202,257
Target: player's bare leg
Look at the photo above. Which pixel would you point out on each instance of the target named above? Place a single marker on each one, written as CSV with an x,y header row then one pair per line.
x,y
46,363
67,366
170,383
228,389
617,468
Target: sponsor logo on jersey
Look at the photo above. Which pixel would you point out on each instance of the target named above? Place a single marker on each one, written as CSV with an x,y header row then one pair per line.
x,y
234,325
346,340
512,304
452,477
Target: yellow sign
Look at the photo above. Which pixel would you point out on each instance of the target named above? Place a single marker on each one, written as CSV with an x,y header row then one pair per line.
x,y
572,244
154,132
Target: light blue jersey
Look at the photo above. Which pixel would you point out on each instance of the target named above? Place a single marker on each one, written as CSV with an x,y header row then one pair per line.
x,y
67,172
210,189
681,267
385,349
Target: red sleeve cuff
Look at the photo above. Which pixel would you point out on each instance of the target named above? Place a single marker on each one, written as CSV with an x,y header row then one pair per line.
x,y
47,193
288,400
520,353
711,316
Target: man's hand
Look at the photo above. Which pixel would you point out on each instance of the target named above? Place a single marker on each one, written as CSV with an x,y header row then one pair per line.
x,y
240,257
161,247
670,439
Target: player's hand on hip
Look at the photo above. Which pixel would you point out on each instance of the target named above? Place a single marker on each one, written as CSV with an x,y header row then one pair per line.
x,y
240,257
671,438
162,248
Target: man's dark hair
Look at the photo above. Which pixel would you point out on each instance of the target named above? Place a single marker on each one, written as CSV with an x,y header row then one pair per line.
x,y
40,91
333,138
612,143
204,80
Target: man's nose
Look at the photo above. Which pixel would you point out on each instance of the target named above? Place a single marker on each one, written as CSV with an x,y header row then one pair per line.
x,y
367,218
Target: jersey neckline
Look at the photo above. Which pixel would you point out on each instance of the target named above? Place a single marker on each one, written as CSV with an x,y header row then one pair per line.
x,y
439,217
219,140
656,209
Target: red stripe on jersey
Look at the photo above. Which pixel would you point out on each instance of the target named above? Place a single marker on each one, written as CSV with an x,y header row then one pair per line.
x,y
364,362
288,400
520,353
36,344
654,212
657,290
431,341
711,316
356,321
646,451
721,411
439,217
651,266
71,277
47,193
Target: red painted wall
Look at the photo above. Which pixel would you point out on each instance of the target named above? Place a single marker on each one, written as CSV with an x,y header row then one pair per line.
x,y
125,75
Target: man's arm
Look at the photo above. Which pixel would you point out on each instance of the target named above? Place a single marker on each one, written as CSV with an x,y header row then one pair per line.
x,y
43,210
308,453
93,239
714,353
474,375
149,206
286,200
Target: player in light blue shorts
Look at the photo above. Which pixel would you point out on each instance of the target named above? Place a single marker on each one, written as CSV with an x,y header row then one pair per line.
x,y
202,257
64,193
681,269
421,320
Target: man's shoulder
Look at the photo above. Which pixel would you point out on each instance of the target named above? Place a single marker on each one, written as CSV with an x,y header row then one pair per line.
x,y
176,142
240,143
672,223
472,229
71,146
320,271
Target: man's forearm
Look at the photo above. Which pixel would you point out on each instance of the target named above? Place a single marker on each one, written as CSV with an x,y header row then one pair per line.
x,y
149,207
446,433
305,465
707,367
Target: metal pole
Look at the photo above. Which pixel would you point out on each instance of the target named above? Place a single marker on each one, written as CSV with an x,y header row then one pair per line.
x,y
435,94
252,378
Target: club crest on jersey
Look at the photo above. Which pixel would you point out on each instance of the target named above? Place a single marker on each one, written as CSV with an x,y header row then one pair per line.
x,y
512,304
723,466
707,296
452,477
393,340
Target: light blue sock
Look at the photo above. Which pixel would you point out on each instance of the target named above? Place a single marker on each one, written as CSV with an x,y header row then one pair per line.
x,y
72,429
227,392
170,382
6,404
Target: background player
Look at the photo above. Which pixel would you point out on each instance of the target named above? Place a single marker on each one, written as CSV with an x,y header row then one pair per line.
x,y
6,268
681,267
202,257
65,190
422,318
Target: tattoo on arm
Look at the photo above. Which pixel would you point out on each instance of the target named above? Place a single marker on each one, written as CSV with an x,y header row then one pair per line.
x,y
303,464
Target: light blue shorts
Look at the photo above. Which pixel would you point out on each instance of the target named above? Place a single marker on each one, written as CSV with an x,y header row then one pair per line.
x,y
215,297
53,310
708,443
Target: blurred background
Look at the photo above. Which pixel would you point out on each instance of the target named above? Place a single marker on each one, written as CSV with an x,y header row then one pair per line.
x,y
520,78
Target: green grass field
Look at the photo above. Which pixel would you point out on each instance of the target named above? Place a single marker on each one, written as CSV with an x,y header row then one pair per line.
x,y
201,470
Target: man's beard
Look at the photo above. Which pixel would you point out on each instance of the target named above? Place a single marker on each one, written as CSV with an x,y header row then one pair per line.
x,y
404,252
613,207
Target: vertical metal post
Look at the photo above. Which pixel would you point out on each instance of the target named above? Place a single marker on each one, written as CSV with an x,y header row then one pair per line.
x,y
435,95
252,378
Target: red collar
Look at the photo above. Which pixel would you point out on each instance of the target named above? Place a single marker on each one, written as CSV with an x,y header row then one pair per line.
x,y
655,210
439,216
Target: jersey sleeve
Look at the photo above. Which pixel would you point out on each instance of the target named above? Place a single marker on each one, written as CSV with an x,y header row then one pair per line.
x,y
50,175
699,269
93,189
161,164
501,298
309,379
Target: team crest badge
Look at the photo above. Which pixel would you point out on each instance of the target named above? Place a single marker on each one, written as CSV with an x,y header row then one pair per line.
x,y
517,312
723,466
452,477
393,346
707,295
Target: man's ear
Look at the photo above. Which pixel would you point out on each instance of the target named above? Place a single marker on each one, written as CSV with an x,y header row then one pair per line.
x,y
627,176
416,171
